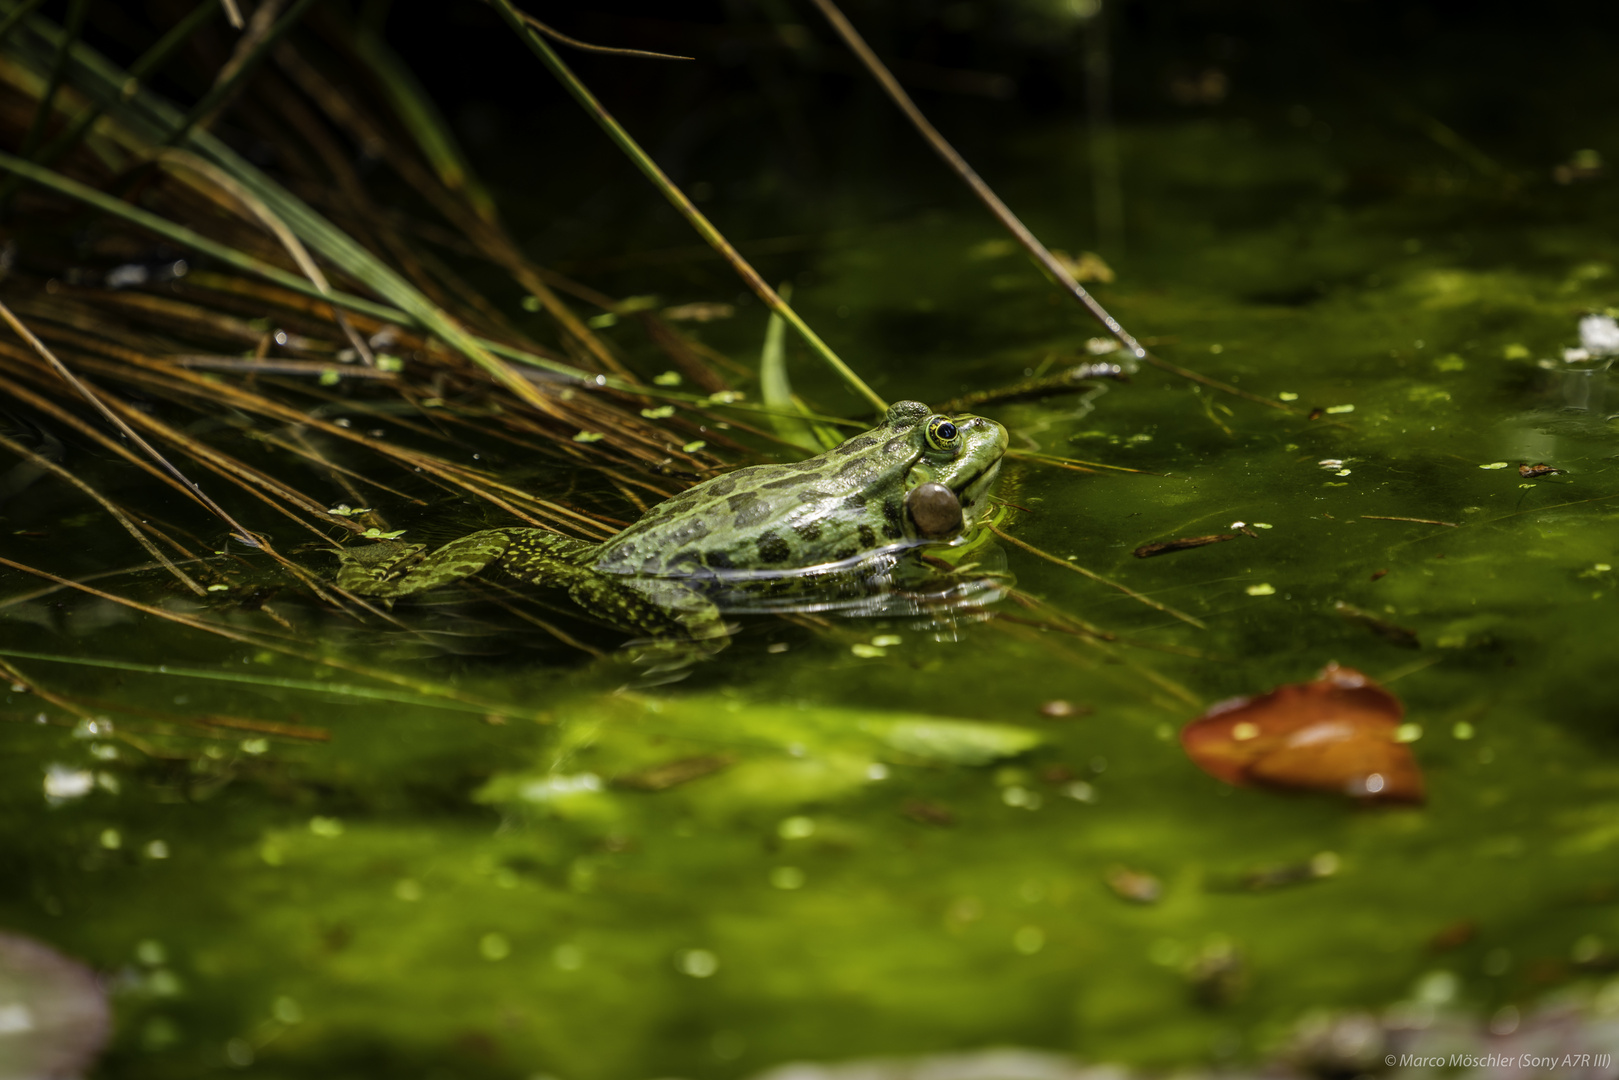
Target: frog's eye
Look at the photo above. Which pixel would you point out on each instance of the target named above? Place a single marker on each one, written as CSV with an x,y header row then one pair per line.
x,y
942,434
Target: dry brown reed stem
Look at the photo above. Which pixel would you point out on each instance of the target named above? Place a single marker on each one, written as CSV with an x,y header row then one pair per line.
x,y
245,203
286,500
106,504
584,46
362,218
49,590
504,375
958,164
685,358
89,395
1007,218
528,617
18,679
63,416
165,312
1098,578
221,464
251,51
251,481
425,689
337,474
340,474
1077,464
682,203
254,365
274,728
571,452
242,294
490,239
157,375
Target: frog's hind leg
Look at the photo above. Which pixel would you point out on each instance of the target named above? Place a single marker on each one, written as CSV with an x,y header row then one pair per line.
x,y
541,556
389,570
656,609
653,608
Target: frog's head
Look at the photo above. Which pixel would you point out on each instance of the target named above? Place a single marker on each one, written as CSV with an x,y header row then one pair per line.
x,y
957,460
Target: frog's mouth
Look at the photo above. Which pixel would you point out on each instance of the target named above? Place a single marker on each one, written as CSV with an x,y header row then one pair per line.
x,y
974,495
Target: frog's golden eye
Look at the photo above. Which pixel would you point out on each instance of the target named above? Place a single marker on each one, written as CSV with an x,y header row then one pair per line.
x,y
942,434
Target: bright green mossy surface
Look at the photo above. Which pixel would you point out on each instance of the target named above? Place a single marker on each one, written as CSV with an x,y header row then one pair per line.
x,y
900,853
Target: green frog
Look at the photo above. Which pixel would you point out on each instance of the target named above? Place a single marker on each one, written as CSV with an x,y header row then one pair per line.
x,y
917,478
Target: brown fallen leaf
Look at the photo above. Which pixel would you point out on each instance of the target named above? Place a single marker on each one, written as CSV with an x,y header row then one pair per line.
x,y
1164,547
1334,734
1530,472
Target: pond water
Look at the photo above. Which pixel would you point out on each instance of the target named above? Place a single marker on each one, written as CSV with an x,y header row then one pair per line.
x,y
845,838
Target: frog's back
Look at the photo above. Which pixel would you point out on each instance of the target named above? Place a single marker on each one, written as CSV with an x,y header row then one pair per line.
x,y
826,509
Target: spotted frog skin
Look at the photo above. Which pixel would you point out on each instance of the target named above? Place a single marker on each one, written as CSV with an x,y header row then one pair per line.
x,y
916,478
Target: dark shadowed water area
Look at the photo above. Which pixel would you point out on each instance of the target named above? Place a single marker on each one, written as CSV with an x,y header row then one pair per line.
x,y
850,838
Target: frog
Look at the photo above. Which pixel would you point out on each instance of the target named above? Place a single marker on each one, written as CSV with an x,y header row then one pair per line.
x,y
917,478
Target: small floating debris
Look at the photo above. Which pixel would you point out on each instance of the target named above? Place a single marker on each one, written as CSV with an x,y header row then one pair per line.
x,y
1339,733
1389,632
1494,465
1532,472
1136,886
1164,547
700,312
1218,974
1264,878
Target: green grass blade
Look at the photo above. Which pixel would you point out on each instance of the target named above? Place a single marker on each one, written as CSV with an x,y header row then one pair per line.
x,y
425,124
18,14
148,62
681,203
53,83
223,89
790,417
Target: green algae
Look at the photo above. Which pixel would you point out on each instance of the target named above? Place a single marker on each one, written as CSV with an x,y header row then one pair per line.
x,y
895,850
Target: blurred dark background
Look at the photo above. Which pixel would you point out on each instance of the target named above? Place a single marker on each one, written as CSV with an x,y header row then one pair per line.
x,y
774,129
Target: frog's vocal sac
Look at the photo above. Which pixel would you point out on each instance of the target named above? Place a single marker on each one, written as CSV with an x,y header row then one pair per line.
x,y
918,477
